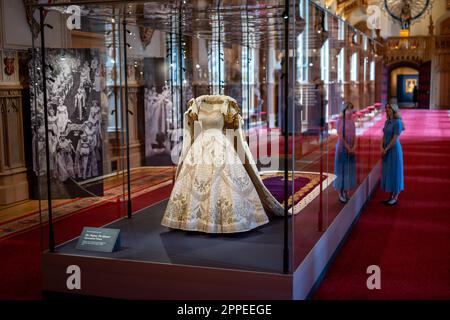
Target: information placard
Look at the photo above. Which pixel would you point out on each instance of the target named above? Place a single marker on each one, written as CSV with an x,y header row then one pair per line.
x,y
99,239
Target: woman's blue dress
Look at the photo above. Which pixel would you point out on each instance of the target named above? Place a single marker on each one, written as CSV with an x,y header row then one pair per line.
x,y
392,171
345,163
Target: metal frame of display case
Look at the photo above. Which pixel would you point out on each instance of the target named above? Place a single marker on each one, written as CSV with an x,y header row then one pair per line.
x,y
51,235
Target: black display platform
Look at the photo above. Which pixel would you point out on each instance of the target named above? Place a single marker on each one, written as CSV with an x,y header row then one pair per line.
x,y
144,239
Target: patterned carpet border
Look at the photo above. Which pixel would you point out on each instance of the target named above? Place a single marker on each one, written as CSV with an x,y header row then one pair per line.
x,y
305,195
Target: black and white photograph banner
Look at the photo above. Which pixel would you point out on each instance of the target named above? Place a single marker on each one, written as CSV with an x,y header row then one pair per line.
x,y
162,123
74,122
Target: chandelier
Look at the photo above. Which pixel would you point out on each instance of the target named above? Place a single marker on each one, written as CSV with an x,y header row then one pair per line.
x,y
406,12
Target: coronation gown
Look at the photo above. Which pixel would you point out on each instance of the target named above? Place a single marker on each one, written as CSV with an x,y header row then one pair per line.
x,y
214,191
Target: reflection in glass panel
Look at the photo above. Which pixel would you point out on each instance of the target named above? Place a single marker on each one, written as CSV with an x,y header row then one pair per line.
x,y
354,67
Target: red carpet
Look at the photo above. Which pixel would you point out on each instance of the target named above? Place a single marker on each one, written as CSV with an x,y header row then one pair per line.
x,y
20,266
409,242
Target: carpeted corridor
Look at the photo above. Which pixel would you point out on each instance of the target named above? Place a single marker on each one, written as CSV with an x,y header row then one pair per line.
x,y
411,241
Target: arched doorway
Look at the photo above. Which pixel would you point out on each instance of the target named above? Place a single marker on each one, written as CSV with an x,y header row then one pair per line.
x,y
404,84
403,77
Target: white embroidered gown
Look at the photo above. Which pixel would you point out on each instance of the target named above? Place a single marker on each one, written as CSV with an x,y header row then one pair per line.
x,y
213,192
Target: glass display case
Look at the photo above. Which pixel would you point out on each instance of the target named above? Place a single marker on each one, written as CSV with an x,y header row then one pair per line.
x,y
143,91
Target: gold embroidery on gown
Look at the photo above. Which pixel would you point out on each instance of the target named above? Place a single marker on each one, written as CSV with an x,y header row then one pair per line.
x,y
214,191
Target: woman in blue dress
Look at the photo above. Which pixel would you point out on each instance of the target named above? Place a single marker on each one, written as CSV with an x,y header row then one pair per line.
x,y
345,160
392,155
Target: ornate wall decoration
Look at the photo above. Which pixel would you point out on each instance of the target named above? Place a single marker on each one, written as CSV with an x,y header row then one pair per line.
x,y
9,100
146,35
9,66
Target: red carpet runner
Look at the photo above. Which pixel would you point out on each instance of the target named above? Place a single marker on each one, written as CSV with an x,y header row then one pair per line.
x,y
409,242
